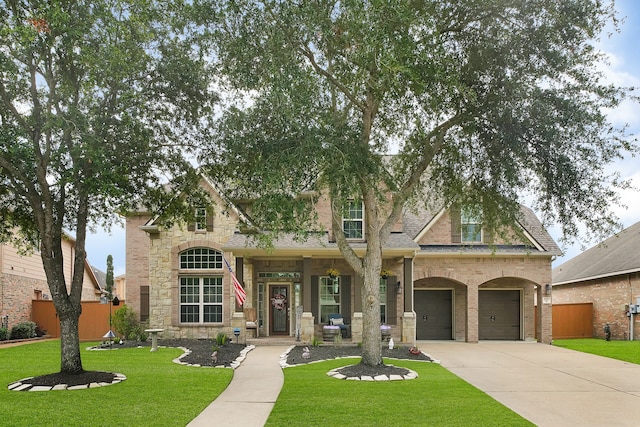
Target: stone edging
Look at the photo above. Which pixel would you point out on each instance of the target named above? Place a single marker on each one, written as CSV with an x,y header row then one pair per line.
x,y
235,364
19,386
335,374
412,375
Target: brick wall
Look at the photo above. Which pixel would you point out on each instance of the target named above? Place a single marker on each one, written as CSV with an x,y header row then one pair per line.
x,y
608,296
16,294
137,259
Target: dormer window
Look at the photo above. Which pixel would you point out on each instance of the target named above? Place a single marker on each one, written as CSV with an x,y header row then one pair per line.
x,y
471,227
353,220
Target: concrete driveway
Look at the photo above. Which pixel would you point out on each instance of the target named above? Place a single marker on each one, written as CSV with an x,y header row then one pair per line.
x,y
547,385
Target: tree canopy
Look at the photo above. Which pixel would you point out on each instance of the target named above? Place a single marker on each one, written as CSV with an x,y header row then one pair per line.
x,y
481,102
99,103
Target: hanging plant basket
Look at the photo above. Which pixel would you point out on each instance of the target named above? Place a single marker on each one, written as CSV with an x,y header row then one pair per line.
x,y
385,273
332,273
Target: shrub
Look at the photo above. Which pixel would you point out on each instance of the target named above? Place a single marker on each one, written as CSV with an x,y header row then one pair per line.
x,y
23,330
4,334
221,338
125,321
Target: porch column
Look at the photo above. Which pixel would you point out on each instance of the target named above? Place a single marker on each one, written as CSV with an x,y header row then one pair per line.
x,y
306,324
544,318
356,318
408,333
472,313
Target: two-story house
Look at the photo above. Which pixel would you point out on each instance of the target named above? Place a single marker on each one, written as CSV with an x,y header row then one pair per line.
x,y
444,281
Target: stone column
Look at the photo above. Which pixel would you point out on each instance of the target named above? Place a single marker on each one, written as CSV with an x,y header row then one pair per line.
x,y
409,327
356,327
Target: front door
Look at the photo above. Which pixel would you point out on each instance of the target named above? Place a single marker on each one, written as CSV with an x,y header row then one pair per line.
x,y
433,314
279,312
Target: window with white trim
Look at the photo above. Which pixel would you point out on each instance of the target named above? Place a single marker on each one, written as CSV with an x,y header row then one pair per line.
x,y
471,227
353,220
201,294
329,297
201,259
201,219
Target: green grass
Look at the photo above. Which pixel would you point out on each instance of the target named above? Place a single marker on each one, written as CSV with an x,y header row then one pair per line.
x,y
628,351
157,391
436,398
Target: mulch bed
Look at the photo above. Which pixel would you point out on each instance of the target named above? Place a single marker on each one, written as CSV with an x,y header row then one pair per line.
x,y
201,351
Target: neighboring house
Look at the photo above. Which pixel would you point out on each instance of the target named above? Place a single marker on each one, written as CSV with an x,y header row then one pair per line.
x,y
608,276
445,281
120,287
22,279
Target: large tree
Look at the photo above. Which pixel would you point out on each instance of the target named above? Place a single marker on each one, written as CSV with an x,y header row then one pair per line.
x,y
482,101
99,101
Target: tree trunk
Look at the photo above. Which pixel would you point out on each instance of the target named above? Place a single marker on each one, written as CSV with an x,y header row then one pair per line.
x,y
371,344
70,361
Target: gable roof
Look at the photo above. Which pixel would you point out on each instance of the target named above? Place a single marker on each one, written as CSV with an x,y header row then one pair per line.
x,y
415,223
619,254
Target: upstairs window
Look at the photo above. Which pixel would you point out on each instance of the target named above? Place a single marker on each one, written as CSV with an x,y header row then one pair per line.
x,y
353,220
471,227
201,219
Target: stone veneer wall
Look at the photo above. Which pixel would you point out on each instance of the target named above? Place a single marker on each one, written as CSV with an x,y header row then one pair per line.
x,y
608,296
164,249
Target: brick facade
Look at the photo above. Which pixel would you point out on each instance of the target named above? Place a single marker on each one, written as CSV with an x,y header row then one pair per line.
x,y
609,297
16,294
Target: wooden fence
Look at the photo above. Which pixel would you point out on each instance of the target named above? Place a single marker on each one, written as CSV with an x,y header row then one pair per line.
x,y
571,320
93,324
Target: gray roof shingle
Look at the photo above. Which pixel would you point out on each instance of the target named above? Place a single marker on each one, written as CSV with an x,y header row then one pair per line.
x,y
616,255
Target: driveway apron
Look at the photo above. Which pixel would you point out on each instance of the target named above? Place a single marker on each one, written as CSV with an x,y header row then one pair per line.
x,y
549,386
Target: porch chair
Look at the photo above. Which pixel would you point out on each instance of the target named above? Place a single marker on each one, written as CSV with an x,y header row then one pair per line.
x,y
336,319
252,320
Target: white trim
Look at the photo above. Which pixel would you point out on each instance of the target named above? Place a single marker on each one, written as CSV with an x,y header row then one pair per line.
x,y
599,276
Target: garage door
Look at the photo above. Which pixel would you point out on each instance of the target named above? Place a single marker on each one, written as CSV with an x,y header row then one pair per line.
x,y
499,315
434,314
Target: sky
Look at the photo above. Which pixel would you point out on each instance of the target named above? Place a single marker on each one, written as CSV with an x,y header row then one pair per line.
x,y
623,49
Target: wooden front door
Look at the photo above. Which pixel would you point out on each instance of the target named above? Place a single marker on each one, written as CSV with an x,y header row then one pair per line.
x,y
279,312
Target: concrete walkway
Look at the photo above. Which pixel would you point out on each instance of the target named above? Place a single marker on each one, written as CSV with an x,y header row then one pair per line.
x,y
249,398
550,386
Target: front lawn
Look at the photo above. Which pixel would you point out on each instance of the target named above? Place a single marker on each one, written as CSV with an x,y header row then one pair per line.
x,y
628,351
157,391
436,398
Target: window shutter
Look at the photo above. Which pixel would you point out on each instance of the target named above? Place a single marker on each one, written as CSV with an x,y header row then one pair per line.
x,y
209,219
345,297
392,304
144,303
456,225
315,299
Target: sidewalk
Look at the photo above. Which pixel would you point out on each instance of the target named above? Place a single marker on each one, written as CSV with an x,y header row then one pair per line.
x,y
249,398
549,386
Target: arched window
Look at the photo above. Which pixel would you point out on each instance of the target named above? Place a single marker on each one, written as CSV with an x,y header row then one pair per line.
x,y
201,292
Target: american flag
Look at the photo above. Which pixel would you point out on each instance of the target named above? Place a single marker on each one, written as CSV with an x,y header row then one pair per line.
x,y
241,295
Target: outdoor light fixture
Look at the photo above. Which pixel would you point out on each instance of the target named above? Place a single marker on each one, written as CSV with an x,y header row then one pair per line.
x,y
547,289
399,287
